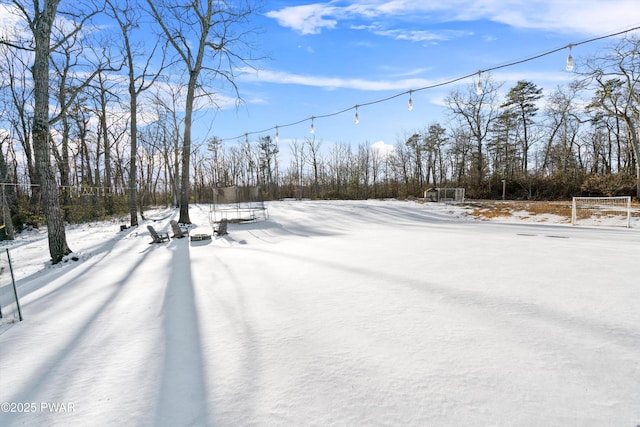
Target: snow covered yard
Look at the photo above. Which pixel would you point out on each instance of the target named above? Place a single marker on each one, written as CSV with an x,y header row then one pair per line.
x,y
368,313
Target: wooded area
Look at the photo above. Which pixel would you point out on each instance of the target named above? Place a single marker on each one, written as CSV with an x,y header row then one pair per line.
x,y
94,124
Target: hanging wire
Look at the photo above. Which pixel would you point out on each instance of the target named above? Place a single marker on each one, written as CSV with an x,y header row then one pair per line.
x,y
437,85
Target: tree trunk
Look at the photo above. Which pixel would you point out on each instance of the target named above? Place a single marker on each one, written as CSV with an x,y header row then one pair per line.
x,y
107,163
133,155
186,151
58,247
7,222
62,161
636,145
637,180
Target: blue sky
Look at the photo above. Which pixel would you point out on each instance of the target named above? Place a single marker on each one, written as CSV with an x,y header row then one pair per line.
x,y
325,57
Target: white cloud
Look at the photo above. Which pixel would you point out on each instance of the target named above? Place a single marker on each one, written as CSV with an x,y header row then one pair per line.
x,y
593,17
544,78
12,24
401,72
382,148
9,17
280,77
307,49
421,35
307,19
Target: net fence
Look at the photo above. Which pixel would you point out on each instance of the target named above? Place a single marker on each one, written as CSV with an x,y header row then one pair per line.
x,y
452,194
237,203
614,211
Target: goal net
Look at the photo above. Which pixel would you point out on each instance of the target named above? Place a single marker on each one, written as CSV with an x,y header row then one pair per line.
x,y
613,211
450,194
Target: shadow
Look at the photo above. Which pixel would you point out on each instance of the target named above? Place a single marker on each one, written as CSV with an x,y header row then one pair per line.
x,y
228,239
36,281
41,278
535,313
89,329
233,304
273,228
182,398
397,213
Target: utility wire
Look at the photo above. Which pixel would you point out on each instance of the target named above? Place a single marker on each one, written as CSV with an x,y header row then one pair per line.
x,y
435,85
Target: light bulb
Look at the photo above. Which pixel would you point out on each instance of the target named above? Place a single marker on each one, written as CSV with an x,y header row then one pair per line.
x,y
312,129
569,66
479,89
356,119
569,63
410,104
277,135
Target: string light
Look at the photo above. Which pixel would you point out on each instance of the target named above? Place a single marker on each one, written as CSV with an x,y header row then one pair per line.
x,y
277,135
570,60
479,84
479,88
356,119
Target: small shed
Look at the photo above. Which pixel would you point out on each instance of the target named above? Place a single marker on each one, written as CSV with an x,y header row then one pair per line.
x,y
431,195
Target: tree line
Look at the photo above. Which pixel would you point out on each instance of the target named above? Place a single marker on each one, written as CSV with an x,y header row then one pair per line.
x,y
96,123
580,139
75,76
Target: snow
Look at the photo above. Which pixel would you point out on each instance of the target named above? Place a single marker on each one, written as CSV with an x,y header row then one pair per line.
x,y
328,313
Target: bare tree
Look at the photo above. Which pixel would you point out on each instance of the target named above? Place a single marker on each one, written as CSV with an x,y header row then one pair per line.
x,y
415,145
476,108
40,17
65,87
435,140
7,223
168,127
363,166
268,157
127,15
217,170
209,37
339,163
616,77
104,95
402,166
313,155
559,111
298,161
18,108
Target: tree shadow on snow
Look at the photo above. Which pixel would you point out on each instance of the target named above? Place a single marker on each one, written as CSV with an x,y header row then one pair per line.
x,y
57,375
182,397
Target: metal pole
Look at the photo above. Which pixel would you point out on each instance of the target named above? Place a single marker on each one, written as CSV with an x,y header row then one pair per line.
x,y
504,186
15,291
